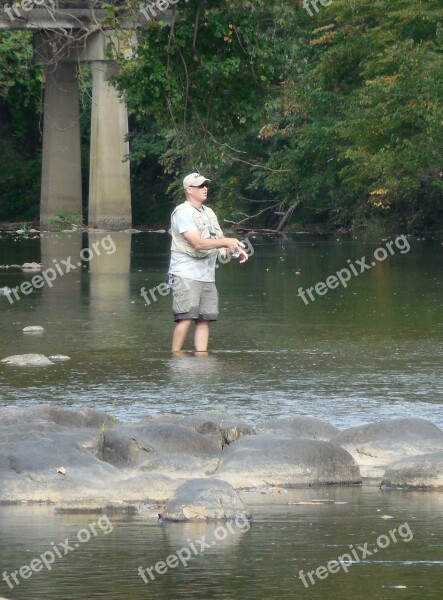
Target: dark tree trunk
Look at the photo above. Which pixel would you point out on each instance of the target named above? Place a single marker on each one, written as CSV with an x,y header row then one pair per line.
x,y
288,214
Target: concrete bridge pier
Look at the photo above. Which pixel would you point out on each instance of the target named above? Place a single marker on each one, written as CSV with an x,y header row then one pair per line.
x,y
109,180
61,182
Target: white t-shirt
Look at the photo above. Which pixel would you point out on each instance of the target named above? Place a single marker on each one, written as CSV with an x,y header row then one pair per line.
x,y
183,265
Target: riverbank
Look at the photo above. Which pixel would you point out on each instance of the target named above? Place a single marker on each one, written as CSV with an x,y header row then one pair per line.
x,y
368,232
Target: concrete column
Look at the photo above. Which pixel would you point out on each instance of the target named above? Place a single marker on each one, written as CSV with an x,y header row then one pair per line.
x,y
109,180
61,189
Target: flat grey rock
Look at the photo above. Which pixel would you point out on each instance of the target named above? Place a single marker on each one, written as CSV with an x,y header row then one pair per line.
x,y
302,426
223,428
422,472
263,460
17,420
377,445
33,329
166,448
27,360
49,454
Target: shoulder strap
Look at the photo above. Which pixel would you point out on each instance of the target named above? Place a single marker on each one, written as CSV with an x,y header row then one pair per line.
x,y
210,212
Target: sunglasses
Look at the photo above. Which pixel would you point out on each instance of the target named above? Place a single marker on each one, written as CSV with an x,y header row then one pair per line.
x,y
201,186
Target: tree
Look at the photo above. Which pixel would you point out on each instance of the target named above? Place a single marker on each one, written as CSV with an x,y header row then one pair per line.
x,y
20,97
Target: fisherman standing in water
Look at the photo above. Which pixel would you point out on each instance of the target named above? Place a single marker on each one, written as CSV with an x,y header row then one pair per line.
x,y
196,240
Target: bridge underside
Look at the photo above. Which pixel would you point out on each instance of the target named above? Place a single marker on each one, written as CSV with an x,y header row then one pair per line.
x,y
16,15
61,184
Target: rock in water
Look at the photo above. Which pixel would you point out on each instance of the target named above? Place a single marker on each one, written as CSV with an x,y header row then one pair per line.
x,y
377,445
32,266
27,360
203,499
166,448
263,460
33,329
223,428
419,472
301,426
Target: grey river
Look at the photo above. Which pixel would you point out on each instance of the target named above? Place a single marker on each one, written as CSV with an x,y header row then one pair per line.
x,y
369,351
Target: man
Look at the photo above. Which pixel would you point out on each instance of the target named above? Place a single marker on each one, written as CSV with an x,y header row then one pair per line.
x,y
196,241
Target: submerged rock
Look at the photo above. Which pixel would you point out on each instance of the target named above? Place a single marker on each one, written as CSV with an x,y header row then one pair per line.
x,y
288,462
425,471
203,499
27,360
377,445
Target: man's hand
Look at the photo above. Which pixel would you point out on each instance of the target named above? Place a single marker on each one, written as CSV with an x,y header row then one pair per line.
x,y
240,253
233,245
242,256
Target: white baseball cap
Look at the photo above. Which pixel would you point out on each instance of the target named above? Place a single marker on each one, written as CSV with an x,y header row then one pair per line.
x,y
194,179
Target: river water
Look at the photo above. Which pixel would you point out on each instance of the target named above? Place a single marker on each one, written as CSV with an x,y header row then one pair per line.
x,y
356,354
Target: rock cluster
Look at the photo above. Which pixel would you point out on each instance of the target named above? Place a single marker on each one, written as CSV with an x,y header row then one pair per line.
x,y
199,462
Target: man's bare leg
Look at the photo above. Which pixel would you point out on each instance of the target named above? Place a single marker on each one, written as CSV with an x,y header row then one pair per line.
x,y
180,333
201,336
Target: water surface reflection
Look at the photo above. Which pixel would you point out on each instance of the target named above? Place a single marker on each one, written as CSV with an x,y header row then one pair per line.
x,y
256,564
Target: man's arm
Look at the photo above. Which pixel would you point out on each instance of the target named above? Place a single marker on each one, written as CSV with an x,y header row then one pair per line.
x,y
199,243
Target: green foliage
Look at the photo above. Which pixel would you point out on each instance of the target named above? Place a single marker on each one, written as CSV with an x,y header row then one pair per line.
x,y
19,183
340,113
20,94
196,90
392,129
363,120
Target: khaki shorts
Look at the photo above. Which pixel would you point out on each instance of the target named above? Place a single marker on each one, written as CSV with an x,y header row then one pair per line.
x,y
191,299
